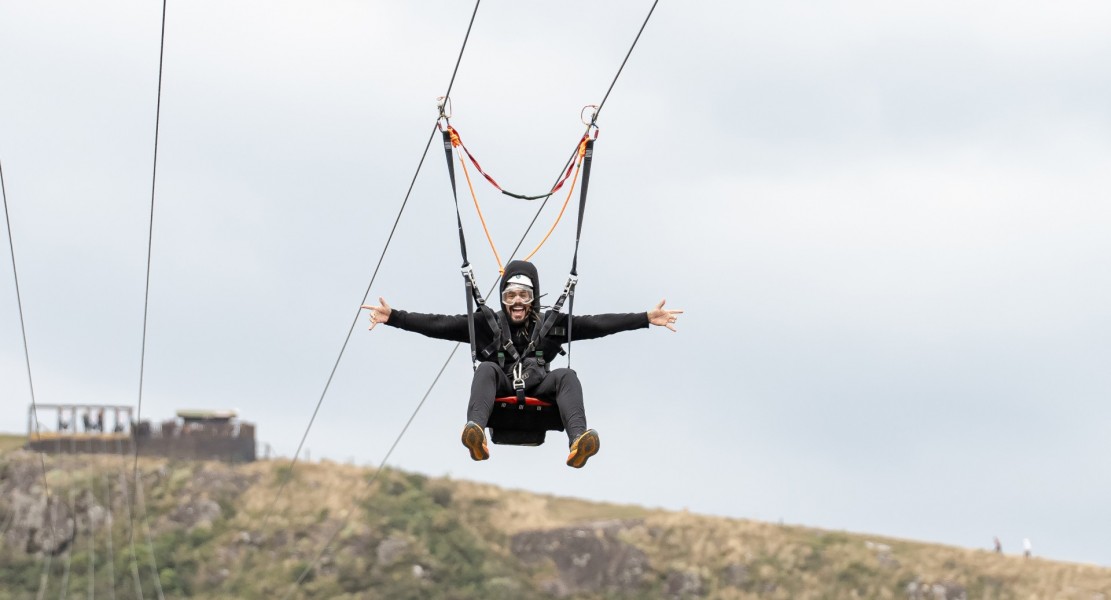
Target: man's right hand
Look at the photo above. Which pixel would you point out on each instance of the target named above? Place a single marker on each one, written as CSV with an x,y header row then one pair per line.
x,y
378,314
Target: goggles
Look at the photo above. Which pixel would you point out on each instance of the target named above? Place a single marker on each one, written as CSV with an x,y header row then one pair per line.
x,y
513,296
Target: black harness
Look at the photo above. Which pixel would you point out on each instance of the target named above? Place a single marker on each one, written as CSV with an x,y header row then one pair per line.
x,y
502,347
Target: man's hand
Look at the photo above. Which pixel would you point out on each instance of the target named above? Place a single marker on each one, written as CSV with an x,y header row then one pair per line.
x,y
664,317
380,314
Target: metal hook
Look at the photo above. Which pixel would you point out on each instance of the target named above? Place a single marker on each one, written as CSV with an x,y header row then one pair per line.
x,y
593,115
443,104
519,376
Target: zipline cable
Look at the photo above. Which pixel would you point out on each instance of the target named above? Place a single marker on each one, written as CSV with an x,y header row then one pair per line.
x,y
150,229
91,591
373,478
7,525
134,561
404,429
44,579
69,555
146,309
585,152
382,256
627,55
30,380
142,502
389,452
108,526
335,533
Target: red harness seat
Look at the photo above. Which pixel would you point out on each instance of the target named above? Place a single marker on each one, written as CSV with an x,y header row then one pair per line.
x,y
523,425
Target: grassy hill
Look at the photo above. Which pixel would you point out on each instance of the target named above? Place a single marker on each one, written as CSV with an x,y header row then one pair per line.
x,y
210,530
10,442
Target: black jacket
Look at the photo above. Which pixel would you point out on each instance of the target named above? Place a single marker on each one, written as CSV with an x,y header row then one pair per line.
x,y
454,327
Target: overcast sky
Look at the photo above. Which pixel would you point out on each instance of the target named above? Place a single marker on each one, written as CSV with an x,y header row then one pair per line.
x,y
887,222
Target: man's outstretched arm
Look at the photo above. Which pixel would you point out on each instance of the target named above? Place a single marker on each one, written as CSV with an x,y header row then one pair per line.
x,y
444,327
586,327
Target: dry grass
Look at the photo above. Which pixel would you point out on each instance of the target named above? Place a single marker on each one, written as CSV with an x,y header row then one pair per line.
x,y
813,558
314,488
525,511
9,442
777,561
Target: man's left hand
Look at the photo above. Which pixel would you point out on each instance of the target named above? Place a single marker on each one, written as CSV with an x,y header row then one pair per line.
x,y
664,317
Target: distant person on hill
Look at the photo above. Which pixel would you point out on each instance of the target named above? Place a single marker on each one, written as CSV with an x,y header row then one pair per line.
x,y
1027,549
998,546
518,321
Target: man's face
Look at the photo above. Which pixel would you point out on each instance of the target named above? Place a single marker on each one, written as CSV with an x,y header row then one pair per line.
x,y
517,300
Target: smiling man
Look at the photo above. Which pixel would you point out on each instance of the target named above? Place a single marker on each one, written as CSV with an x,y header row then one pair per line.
x,y
517,324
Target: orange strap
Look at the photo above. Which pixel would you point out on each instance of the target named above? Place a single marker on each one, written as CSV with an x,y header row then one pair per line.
x,y
570,190
456,142
478,209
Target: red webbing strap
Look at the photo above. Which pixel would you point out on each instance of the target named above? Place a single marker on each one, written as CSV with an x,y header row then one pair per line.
x,y
458,141
529,401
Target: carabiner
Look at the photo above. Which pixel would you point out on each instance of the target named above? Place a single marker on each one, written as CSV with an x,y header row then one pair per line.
x,y
593,115
519,376
443,105
468,277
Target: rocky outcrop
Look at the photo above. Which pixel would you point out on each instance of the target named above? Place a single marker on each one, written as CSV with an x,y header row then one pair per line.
x,y
37,523
390,549
587,558
192,512
684,584
82,501
941,590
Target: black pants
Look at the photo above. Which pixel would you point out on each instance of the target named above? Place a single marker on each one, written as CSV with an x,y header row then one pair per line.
x,y
560,386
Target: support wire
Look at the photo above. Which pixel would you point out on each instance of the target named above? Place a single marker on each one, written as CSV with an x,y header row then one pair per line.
x,y
289,472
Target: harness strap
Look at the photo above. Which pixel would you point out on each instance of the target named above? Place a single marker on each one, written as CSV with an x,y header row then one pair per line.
x,y
588,157
468,277
586,152
550,317
455,196
587,160
573,279
570,191
473,296
508,347
494,347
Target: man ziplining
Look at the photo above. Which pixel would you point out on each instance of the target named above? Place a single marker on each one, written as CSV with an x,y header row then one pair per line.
x,y
519,332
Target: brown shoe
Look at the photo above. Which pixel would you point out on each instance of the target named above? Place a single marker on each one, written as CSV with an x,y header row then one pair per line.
x,y
474,438
585,446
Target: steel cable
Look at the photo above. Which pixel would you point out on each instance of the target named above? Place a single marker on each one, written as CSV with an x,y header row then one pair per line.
x,y
30,381
382,256
343,523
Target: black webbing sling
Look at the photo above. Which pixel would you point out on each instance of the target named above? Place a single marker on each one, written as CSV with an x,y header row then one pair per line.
x,y
572,280
473,297
578,233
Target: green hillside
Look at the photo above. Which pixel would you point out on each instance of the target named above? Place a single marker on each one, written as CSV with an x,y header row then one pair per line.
x,y
346,533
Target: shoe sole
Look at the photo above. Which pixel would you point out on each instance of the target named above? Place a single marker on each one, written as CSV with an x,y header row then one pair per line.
x,y
589,444
474,440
